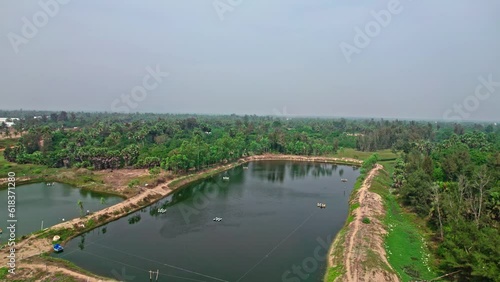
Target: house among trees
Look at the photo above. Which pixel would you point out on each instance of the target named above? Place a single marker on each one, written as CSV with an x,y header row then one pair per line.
x,y
8,121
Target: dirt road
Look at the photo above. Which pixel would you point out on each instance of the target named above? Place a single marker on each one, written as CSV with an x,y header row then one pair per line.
x,y
364,256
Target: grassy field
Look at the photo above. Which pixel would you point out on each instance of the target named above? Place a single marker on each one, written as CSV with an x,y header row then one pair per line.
x,y
405,242
4,143
23,170
351,153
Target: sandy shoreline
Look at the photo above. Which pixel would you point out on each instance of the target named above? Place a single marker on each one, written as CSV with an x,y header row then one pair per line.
x,y
34,245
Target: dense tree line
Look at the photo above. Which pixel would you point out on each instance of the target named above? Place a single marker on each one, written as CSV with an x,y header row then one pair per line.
x,y
183,142
454,184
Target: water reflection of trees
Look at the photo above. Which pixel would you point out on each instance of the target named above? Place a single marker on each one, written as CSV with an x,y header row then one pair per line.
x,y
270,171
134,219
81,245
207,187
320,170
276,171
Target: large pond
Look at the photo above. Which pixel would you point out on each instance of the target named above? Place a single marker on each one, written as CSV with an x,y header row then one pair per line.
x,y
51,204
271,228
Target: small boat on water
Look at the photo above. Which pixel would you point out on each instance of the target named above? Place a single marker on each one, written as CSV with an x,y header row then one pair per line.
x,y
58,248
217,219
1,231
343,180
321,205
245,167
225,178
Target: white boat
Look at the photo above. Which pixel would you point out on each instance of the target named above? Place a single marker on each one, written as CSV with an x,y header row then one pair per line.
x,y
217,219
343,180
245,167
56,238
225,178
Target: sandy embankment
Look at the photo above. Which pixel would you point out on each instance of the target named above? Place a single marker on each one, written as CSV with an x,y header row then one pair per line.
x,y
363,256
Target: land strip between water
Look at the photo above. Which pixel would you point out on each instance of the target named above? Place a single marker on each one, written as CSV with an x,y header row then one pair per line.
x,y
358,253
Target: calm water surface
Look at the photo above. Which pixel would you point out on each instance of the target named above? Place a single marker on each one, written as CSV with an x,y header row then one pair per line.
x,y
38,202
270,227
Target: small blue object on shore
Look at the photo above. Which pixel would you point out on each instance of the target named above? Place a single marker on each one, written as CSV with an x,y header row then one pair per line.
x,y
58,248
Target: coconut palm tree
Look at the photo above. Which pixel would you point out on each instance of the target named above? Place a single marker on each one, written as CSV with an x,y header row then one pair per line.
x,y
80,205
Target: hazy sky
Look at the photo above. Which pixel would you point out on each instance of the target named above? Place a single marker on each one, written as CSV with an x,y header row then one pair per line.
x,y
253,57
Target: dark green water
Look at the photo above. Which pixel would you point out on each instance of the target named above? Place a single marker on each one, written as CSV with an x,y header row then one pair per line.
x,y
37,202
271,228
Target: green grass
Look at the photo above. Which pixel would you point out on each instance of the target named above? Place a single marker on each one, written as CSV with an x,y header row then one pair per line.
x,y
63,233
3,272
333,273
405,246
4,143
22,170
352,207
404,243
352,153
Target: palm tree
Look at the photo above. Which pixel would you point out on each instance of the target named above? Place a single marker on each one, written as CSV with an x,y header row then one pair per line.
x,y
80,205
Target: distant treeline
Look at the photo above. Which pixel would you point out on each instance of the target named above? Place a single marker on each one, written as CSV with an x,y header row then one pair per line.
x,y
183,142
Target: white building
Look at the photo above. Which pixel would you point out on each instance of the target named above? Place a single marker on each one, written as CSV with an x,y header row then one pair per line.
x,y
8,123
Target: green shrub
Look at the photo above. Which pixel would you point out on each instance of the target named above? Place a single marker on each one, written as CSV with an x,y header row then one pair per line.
x,y
365,220
133,183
